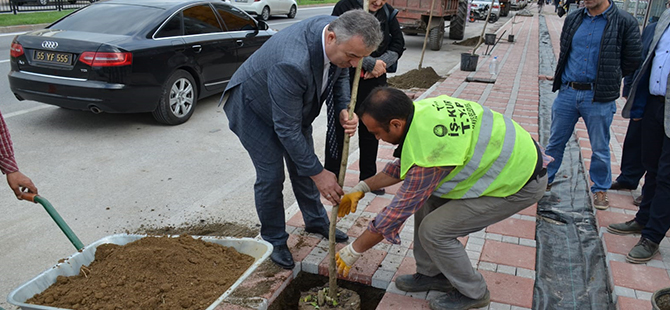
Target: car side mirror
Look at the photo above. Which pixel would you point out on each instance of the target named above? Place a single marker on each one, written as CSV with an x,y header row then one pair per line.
x,y
263,25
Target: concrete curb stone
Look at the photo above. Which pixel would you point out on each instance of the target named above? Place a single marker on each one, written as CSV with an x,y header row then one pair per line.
x,y
22,28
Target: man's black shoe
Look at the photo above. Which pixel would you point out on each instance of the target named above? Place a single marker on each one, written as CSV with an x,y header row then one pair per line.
x,y
625,228
282,256
419,282
340,236
617,186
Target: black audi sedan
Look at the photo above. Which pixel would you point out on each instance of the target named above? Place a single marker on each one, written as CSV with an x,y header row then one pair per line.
x,y
132,56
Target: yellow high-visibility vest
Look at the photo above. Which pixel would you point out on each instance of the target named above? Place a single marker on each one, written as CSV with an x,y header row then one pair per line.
x,y
493,155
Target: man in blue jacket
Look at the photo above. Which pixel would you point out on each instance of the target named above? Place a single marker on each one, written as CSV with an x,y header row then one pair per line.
x,y
648,100
599,45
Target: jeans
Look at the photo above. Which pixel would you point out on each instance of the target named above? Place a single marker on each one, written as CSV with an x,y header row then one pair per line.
x,y
569,106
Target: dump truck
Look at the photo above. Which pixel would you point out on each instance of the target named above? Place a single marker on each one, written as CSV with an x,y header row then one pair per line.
x,y
413,16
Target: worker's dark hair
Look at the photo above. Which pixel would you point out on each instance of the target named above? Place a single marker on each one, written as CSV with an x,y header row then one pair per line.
x,y
386,103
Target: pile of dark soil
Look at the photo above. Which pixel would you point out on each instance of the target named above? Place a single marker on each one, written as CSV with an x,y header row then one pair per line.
x,y
150,273
290,297
417,78
469,42
203,228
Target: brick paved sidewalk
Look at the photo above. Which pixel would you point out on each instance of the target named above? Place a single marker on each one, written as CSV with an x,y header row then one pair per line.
x,y
505,252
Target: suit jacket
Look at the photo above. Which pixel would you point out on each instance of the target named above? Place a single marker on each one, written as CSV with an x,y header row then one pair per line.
x,y
281,83
639,86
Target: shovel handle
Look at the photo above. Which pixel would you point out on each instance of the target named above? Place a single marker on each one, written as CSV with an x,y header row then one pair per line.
x,y
56,217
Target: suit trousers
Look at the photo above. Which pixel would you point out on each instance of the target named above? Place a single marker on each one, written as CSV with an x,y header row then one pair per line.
x,y
654,212
440,221
268,157
632,169
367,142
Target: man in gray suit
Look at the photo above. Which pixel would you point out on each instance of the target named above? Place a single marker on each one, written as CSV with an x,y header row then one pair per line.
x,y
649,100
273,99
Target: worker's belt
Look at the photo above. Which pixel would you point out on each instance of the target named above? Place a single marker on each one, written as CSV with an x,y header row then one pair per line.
x,y
580,86
539,170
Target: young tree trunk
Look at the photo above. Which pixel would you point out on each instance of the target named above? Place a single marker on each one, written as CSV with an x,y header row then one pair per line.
x,y
332,270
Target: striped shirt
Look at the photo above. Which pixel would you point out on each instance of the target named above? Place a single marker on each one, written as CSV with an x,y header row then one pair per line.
x,y
7,161
419,184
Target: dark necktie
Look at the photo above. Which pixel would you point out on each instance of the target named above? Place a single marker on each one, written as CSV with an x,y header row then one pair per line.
x,y
331,139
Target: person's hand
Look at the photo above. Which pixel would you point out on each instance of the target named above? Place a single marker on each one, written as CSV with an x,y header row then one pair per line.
x,y
19,183
349,125
350,201
326,182
380,68
346,258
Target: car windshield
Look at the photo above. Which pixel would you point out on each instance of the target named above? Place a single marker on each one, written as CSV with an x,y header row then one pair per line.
x,y
107,18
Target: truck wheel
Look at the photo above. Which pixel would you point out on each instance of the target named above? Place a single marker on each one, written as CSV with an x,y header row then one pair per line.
x,y
457,23
504,9
435,38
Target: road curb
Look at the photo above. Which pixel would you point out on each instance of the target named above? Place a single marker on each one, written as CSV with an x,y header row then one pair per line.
x,y
22,28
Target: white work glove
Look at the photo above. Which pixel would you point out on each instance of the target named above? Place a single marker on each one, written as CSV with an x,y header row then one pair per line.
x,y
346,258
349,202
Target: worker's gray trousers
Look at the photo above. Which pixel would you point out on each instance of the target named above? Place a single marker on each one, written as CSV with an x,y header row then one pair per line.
x,y
440,221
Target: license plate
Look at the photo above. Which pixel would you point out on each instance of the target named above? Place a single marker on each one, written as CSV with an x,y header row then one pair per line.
x,y
53,57
241,1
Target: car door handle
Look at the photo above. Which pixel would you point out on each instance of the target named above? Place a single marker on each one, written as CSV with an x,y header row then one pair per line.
x,y
197,48
240,43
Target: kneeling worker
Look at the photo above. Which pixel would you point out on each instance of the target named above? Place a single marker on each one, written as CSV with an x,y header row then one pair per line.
x,y
464,168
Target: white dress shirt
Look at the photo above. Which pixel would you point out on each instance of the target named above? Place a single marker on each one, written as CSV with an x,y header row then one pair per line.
x,y
660,67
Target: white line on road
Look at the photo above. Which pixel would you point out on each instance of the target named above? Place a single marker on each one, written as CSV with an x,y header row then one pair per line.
x,y
17,113
4,60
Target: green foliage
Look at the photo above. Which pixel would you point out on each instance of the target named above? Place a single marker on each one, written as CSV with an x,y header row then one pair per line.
x,y
30,18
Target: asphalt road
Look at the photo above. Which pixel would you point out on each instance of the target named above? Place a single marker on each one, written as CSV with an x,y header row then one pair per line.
x,y
113,173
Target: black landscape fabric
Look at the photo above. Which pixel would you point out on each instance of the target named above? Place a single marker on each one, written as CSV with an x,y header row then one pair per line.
x,y
571,270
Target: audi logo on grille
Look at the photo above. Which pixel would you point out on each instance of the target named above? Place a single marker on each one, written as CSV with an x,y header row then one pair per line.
x,y
50,44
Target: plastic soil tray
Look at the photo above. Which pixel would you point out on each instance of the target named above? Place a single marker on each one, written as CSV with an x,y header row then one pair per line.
x,y
258,249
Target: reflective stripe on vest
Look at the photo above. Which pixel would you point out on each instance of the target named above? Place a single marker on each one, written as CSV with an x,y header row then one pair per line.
x,y
482,142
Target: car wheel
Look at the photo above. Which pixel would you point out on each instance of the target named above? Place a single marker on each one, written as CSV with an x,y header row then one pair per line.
x,y
292,12
265,14
177,100
44,2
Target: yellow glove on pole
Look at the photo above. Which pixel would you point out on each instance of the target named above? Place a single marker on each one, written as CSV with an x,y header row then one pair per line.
x,y
346,258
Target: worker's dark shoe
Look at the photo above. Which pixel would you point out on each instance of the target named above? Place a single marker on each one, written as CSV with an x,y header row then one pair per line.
x,y
340,236
600,201
282,256
638,200
379,192
454,300
617,186
642,252
626,228
418,283
548,188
